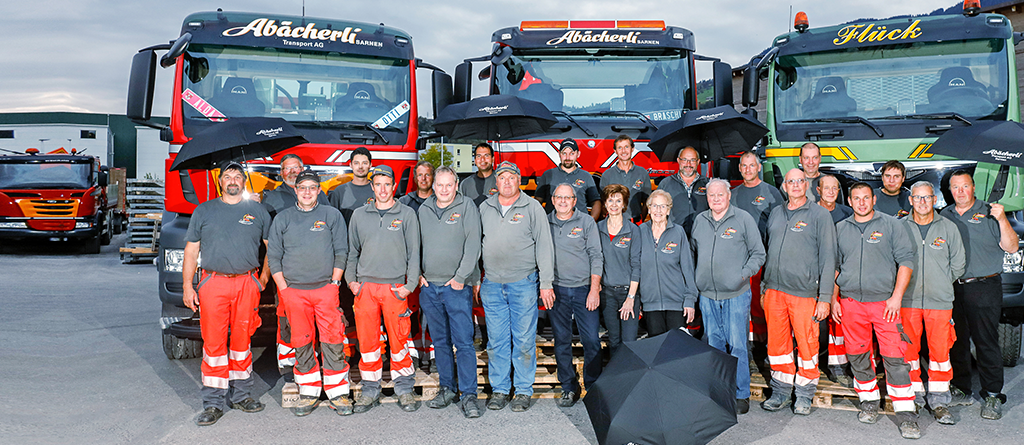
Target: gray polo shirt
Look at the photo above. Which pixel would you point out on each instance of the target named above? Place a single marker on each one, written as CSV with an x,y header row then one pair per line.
x,y
686,201
229,235
308,245
869,255
980,234
666,271
478,189
758,201
581,181
348,197
451,240
897,206
939,259
384,249
729,251
284,197
801,252
577,249
621,254
518,242
637,180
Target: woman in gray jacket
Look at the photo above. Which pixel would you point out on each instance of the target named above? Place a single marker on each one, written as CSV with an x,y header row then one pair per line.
x,y
620,244
667,289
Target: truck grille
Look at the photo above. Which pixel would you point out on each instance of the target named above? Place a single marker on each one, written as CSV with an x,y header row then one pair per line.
x,y
48,207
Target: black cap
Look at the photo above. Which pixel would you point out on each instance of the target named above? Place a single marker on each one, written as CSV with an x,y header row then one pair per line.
x,y
307,175
232,166
568,143
384,170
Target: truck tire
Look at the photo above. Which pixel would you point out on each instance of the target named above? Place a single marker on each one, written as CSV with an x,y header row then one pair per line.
x,y
92,245
108,231
1009,343
177,348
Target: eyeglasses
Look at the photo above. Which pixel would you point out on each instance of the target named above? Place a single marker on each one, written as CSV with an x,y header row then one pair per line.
x,y
795,181
689,161
830,189
659,206
303,188
562,197
922,197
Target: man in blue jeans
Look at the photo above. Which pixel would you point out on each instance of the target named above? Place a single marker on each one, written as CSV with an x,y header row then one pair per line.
x,y
578,267
518,264
729,251
450,233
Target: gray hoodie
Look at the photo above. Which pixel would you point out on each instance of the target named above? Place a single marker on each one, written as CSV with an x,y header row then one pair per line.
x,y
451,240
801,252
869,255
722,246
308,246
666,274
577,249
384,249
938,260
517,243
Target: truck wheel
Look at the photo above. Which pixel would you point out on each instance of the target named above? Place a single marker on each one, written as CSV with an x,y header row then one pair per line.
x,y
1009,343
177,348
92,245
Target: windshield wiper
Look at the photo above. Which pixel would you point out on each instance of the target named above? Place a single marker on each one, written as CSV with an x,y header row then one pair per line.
x,y
843,120
637,114
569,118
956,116
354,125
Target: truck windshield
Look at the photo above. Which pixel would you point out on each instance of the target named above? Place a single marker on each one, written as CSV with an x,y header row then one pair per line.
x,y
965,77
45,175
298,86
591,80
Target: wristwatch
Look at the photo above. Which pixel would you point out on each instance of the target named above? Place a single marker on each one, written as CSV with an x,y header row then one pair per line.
x,y
336,282
630,296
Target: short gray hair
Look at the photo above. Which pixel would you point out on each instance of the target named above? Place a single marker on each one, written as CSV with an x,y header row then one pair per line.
x,y
449,170
292,156
563,184
661,193
920,184
719,181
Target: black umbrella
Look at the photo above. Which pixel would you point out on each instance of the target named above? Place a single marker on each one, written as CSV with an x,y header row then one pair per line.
x,y
235,140
993,142
671,388
494,118
715,133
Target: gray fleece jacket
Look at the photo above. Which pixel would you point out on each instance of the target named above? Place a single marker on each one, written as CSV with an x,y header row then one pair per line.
x,y
384,249
308,246
666,271
938,260
722,246
577,249
869,255
451,240
801,252
517,243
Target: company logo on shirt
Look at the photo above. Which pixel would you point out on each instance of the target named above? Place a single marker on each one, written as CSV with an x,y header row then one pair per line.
x,y
758,200
492,191
902,213
798,227
318,226
938,243
516,218
638,184
575,232
702,190
669,248
371,200
454,218
247,219
728,233
623,242
875,237
396,225
578,183
976,218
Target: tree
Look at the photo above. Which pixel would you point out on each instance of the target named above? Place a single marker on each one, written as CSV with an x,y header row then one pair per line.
x,y
433,155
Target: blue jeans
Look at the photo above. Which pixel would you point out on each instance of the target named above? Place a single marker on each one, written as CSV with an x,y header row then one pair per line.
x,y
511,310
571,303
450,320
726,324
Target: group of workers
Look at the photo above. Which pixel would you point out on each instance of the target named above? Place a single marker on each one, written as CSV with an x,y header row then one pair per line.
x,y
815,265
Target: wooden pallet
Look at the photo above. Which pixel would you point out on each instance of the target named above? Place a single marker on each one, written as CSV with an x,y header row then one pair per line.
x,y
830,395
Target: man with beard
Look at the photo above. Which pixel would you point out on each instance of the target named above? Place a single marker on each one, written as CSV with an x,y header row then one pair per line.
x,y
688,189
582,183
479,186
357,192
424,177
228,232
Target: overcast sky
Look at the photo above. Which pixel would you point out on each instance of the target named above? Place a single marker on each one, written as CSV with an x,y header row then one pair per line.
x,y
74,55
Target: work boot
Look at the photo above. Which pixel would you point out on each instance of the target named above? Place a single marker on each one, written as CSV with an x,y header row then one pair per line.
x,y
498,401
840,377
869,412
408,402
777,401
209,416
910,430
342,405
365,403
959,398
802,406
742,406
306,405
568,399
993,409
943,416
249,405
470,408
520,403
443,398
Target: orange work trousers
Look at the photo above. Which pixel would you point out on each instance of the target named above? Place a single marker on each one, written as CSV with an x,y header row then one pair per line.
x,y
372,301
227,306
758,325
791,317
937,325
313,312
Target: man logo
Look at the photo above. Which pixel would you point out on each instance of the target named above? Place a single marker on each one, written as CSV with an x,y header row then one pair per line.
x,y
957,82
828,89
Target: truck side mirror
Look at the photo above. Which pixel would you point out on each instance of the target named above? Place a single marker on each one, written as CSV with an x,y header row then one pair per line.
x,y
101,179
463,82
141,84
723,83
751,87
442,86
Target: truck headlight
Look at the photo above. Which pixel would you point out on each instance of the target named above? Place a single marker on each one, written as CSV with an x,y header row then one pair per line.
x,y
13,225
1013,262
173,259
82,225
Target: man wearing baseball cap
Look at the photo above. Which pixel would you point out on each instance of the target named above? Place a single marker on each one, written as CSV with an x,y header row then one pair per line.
x,y
383,269
568,173
307,250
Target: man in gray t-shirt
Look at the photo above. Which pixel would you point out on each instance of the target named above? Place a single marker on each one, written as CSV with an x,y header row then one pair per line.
x,y
480,185
567,173
228,231
357,192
